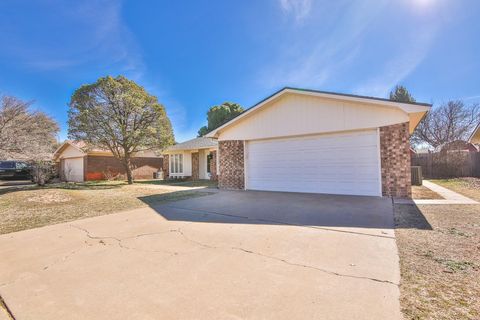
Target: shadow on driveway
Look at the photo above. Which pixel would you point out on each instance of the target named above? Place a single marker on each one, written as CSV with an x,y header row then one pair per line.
x,y
261,207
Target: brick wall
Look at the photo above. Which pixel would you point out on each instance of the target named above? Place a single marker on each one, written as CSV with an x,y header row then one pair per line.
x,y
195,166
213,166
395,159
97,166
165,166
232,174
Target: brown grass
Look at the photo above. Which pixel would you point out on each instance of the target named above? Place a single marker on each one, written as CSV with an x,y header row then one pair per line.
x,y
439,247
469,187
34,207
421,192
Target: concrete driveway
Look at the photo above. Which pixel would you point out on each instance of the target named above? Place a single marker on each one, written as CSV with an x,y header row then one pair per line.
x,y
230,255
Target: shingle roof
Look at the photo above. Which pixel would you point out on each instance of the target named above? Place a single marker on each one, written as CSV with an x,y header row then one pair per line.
x,y
197,143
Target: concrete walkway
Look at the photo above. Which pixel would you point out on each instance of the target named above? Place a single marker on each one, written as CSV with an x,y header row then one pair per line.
x,y
231,255
450,197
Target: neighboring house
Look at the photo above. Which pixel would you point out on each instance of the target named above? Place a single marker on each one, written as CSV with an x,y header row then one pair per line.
x,y
320,142
194,159
458,145
78,163
475,137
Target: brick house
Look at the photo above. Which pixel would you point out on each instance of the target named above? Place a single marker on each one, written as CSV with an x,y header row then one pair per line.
x,y
193,159
300,140
77,163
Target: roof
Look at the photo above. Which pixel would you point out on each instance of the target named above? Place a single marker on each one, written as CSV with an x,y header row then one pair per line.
x,y
475,132
197,143
409,107
91,150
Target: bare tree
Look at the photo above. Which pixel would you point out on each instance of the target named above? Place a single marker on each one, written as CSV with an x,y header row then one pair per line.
x,y
25,134
447,123
28,135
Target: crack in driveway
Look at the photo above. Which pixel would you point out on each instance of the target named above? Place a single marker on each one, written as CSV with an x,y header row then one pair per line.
x,y
208,246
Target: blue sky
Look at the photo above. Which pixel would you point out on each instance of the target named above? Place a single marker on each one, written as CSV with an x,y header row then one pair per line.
x,y
195,54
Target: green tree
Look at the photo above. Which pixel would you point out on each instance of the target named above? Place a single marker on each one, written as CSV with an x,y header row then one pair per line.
x,y
401,94
218,115
119,115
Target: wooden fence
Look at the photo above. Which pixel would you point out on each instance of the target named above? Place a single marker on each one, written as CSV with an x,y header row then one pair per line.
x,y
449,164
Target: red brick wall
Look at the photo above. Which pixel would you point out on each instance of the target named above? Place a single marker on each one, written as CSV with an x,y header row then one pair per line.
x,y
213,166
195,166
96,167
395,159
232,173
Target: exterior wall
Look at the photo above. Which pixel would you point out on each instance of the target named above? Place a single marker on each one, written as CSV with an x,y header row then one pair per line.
x,y
202,162
232,167
395,159
71,152
98,167
214,166
296,114
165,166
195,166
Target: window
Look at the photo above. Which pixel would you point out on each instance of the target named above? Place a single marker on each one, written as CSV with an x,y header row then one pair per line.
x,y
176,163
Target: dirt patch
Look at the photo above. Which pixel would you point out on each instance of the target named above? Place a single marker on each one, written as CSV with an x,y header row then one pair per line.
x,y
421,192
49,197
439,247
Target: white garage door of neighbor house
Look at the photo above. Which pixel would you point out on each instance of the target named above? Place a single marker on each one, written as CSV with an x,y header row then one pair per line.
x,y
342,163
73,169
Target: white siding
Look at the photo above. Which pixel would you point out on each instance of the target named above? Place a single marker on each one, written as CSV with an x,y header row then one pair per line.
x,y
342,163
71,152
294,114
202,162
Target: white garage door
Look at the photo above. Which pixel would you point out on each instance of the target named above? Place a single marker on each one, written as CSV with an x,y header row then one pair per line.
x,y
73,169
342,163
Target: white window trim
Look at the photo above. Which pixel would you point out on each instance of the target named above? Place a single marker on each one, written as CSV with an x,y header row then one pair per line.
x,y
176,165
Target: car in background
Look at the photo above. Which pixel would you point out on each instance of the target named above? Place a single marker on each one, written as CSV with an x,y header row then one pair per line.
x,y
12,169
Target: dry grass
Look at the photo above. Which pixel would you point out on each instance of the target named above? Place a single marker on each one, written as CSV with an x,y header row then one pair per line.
x,y
421,192
439,247
34,207
469,187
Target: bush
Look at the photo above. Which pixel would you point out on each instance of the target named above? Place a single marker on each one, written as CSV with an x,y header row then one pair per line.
x,y
43,172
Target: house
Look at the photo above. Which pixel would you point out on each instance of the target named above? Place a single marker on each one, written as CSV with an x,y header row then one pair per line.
x,y
76,162
299,140
457,145
475,137
194,159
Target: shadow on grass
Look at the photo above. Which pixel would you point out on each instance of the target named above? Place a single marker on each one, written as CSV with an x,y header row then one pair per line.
x,y
156,199
409,216
182,183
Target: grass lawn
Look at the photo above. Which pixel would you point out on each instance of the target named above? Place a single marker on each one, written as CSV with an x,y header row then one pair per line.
x,y
439,247
33,207
421,192
469,187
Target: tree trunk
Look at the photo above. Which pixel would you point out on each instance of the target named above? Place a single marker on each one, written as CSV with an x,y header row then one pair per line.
x,y
128,169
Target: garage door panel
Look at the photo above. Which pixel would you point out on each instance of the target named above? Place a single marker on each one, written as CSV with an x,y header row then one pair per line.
x,y
73,169
346,163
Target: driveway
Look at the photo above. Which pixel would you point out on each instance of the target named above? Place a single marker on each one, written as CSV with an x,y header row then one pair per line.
x,y
230,255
